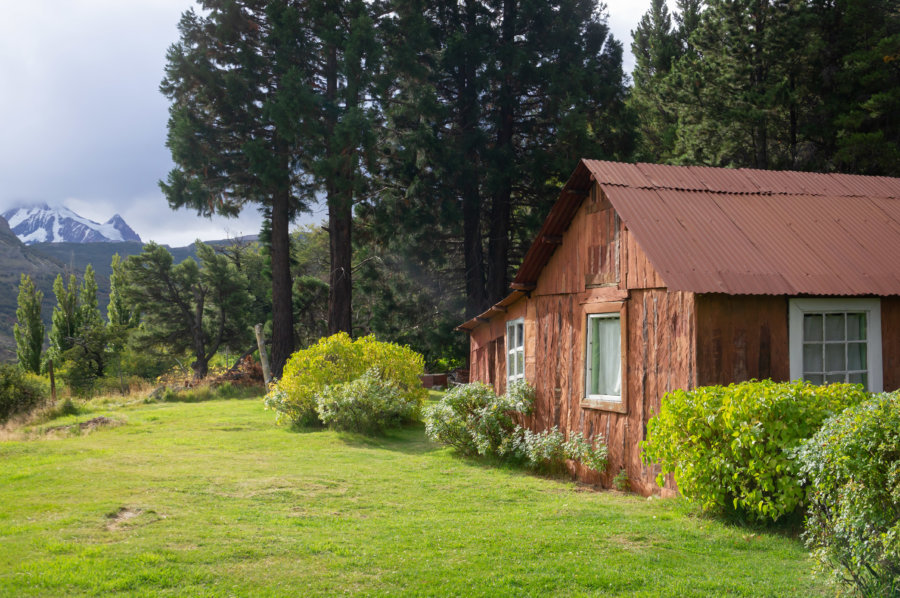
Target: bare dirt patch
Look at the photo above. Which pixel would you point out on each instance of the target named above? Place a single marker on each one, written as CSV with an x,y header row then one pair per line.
x,y
130,517
85,426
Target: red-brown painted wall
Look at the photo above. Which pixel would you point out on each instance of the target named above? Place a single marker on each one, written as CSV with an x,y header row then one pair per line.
x,y
741,337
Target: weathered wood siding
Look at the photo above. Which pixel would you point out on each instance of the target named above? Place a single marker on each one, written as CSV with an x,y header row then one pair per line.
x,y
487,348
742,337
890,340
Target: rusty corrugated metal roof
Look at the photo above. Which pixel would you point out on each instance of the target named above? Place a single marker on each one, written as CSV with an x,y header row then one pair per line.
x,y
496,309
744,231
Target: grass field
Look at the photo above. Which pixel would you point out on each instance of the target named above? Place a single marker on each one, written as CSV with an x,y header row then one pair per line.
x,y
213,499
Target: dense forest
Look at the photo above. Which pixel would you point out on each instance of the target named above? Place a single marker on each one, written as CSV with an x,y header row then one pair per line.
x,y
437,133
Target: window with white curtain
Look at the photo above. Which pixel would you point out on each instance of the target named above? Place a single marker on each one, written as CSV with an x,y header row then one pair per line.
x,y
603,378
515,350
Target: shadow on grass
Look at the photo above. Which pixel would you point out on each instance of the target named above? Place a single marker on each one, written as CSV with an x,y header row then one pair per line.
x,y
408,439
201,394
789,526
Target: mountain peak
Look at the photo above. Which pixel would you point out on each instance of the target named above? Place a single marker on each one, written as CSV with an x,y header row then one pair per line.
x,y
40,223
118,223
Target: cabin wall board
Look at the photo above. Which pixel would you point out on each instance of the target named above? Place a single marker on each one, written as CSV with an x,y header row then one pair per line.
x,y
661,357
590,254
639,272
742,337
890,342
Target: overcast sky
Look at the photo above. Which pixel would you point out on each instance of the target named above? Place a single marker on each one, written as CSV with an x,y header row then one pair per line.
x,y
82,122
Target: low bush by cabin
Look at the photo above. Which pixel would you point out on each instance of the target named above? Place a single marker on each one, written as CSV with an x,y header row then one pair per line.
x,y
730,448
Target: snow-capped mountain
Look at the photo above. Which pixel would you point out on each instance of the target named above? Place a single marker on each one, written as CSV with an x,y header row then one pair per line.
x,y
43,224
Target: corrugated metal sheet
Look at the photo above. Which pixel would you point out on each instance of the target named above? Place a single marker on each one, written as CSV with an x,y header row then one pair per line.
x,y
617,173
495,310
744,231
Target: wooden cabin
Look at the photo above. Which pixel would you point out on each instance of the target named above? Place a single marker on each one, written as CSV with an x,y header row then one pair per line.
x,y
647,278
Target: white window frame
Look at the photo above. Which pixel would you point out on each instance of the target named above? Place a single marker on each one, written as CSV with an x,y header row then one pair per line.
x,y
797,308
515,329
608,399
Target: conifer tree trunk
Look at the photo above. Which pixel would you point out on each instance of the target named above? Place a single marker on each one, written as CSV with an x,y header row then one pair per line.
x,y
340,213
282,309
498,238
471,197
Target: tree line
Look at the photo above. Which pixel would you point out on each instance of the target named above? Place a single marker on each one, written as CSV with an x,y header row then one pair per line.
x,y
438,133
189,315
158,313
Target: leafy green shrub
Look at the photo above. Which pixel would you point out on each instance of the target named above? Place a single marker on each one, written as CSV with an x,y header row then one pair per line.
x,y
853,522
337,360
368,404
730,447
19,392
621,481
544,449
592,455
475,421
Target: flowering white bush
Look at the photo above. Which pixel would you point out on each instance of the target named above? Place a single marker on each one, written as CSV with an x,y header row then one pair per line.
x,y
475,421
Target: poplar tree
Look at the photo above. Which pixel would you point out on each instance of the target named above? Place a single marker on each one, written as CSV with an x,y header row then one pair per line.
x,y
65,322
29,329
88,309
119,313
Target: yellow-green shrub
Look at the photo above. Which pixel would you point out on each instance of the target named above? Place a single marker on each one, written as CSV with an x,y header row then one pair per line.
x,y
338,359
732,447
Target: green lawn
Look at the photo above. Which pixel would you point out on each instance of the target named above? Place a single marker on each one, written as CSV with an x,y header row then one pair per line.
x,y
213,499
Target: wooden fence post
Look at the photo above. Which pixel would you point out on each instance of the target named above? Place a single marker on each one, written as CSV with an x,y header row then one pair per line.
x,y
263,358
52,380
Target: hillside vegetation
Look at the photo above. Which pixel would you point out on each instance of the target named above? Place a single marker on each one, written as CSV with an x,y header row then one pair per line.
x,y
43,261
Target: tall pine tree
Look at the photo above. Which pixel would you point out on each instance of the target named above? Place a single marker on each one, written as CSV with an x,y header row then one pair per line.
x,y
492,103
272,102
655,45
242,89
346,41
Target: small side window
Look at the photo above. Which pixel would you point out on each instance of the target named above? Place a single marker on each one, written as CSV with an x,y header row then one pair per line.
x,y
515,350
603,376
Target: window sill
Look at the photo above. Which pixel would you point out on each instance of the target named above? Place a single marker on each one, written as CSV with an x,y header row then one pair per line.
x,y
604,405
